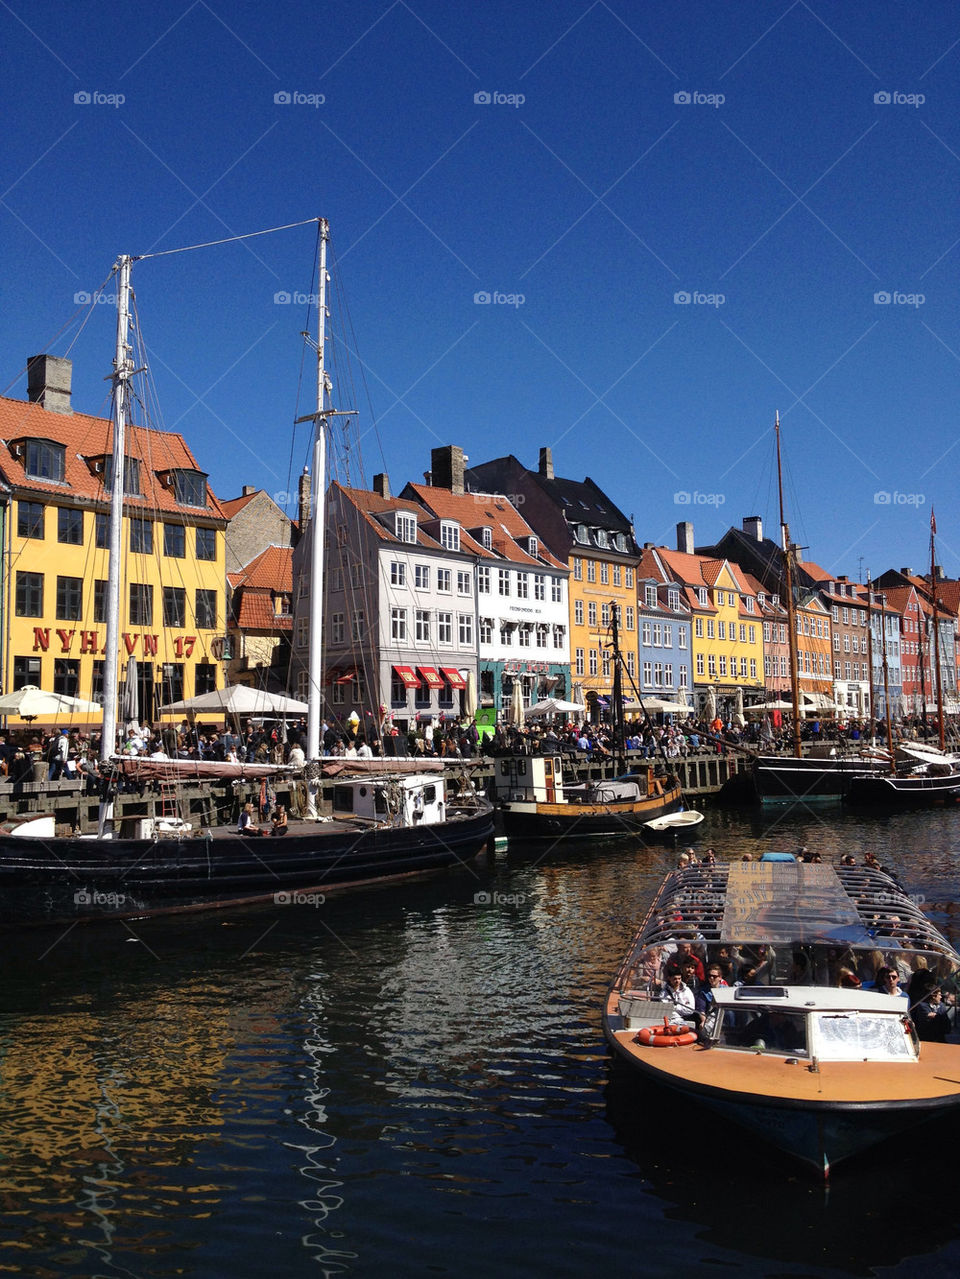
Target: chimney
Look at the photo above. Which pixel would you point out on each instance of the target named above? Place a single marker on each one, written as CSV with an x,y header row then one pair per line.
x,y
49,379
381,484
546,463
685,537
938,572
248,490
303,501
906,572
448,465
753,527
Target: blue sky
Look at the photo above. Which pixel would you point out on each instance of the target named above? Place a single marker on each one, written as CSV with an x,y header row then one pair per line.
x,y
785,166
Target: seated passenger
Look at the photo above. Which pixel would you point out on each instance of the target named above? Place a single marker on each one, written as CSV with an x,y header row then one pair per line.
x,y
675,991
888,982
931,1018
675,962
246,824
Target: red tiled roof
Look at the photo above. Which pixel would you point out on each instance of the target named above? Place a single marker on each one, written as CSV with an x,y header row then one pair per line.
x,y
477,510
272,569
256,613
232,505
86,437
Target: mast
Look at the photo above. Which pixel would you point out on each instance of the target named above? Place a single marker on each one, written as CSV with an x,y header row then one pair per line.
x,y
122,370
936,630
791,608
619,733
872,701
886,676
318,513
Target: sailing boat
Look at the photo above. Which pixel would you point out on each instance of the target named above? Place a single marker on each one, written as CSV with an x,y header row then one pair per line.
x,y
823,774
382,827
537,803
919,776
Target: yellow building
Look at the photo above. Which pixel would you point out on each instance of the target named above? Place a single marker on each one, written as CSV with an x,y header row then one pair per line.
x,y
57,466
727,626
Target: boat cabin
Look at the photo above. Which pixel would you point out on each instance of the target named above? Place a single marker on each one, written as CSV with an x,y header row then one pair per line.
x,y
407,799
532,779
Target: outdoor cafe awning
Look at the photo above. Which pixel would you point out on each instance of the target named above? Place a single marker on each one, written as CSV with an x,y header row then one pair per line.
x,y
431,677
407,675
453,677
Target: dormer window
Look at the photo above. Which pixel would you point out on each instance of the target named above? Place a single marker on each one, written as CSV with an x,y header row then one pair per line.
x,y
775,600
650,596
190,487
582,534
702,596
533,547
131,475
673,598
450,535
620,541
602,539
748,601
486,538
406,526
762,599
42,460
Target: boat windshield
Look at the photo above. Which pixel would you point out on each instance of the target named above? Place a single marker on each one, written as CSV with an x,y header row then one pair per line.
x,y
854,1036
770,1030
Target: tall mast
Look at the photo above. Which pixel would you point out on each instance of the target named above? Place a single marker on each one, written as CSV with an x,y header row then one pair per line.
x,y
886,676
318,513
871,702
936,629
791,609
619,731
122,370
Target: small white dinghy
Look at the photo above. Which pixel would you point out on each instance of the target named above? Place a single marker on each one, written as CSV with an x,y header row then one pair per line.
x,y
674,823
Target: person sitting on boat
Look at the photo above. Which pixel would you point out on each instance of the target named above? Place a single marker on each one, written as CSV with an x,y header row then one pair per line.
x,y
676,961
931,1017
888,982
279,820
246,825
676,992
704,1002
685,859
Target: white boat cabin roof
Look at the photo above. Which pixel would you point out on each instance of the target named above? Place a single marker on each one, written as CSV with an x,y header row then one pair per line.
x,y
805,999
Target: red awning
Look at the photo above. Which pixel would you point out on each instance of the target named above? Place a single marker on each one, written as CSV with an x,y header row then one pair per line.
x,y
341,674
454,678
406,674
347,675
431,677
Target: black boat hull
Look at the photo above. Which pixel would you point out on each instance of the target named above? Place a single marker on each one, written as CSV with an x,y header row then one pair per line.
x,y
45,881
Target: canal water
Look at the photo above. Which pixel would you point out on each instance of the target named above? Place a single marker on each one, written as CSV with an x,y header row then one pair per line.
x,y
412,1079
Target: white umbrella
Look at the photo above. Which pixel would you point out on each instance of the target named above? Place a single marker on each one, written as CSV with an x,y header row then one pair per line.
x,y
658,705
553,706
762,707
130,703
239,699
738,708
470,697
710,706
516,704
31,702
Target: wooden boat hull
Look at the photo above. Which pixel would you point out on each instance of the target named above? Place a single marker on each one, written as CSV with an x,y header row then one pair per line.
x,y
821,1117
534,820
73,879
780,778
904,792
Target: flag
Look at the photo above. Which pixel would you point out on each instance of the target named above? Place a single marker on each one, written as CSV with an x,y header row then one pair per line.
x,y
933,521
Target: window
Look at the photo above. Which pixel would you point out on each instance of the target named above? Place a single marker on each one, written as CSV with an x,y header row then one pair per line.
x,y
174,606
630,617
356,624
174,541
751,633
578,612
101,529
99,600
631,665
681,637
556,590
578,572
668,674
422,626
605,663
648,673
743,666
190,488
486,630
398,573
503,577
698,627
721,629
702,595
69,525
604,573
398,624
658,635
66,676
628,575
26,670
591,613
483,581
337,632
131,475
711,666
723,665
205,678
421,576
524,635
141,536
684,676
710,628
405,526
539,586
591,571
579,662
658,674
463,582
444,580
398,691
699,663
559,636
30,519
604,614
673,599
748,601
616,574
486,538
43,460
356,575
206,614
593,661
171,684
465,629
449,535
141,604
206,543
29,594
523,582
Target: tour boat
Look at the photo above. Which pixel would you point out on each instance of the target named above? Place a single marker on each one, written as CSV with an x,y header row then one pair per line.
x,y
819,1071
384,824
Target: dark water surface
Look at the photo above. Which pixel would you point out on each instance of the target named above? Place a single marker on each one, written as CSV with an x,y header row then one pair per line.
x,y
410,1081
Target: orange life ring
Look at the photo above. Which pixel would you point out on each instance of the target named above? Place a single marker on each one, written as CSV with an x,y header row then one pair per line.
x,y
669,1035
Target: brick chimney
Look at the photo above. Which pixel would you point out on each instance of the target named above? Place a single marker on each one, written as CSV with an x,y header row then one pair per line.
x,y
753,527
685,537
49,379
381,484
546,463
303,500
906,572
248,490
447,466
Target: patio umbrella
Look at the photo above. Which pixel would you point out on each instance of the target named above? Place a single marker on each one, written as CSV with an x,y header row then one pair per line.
x,y
130,703
738,718
516,704
710,706
470,696
239,699
31,702
553,706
